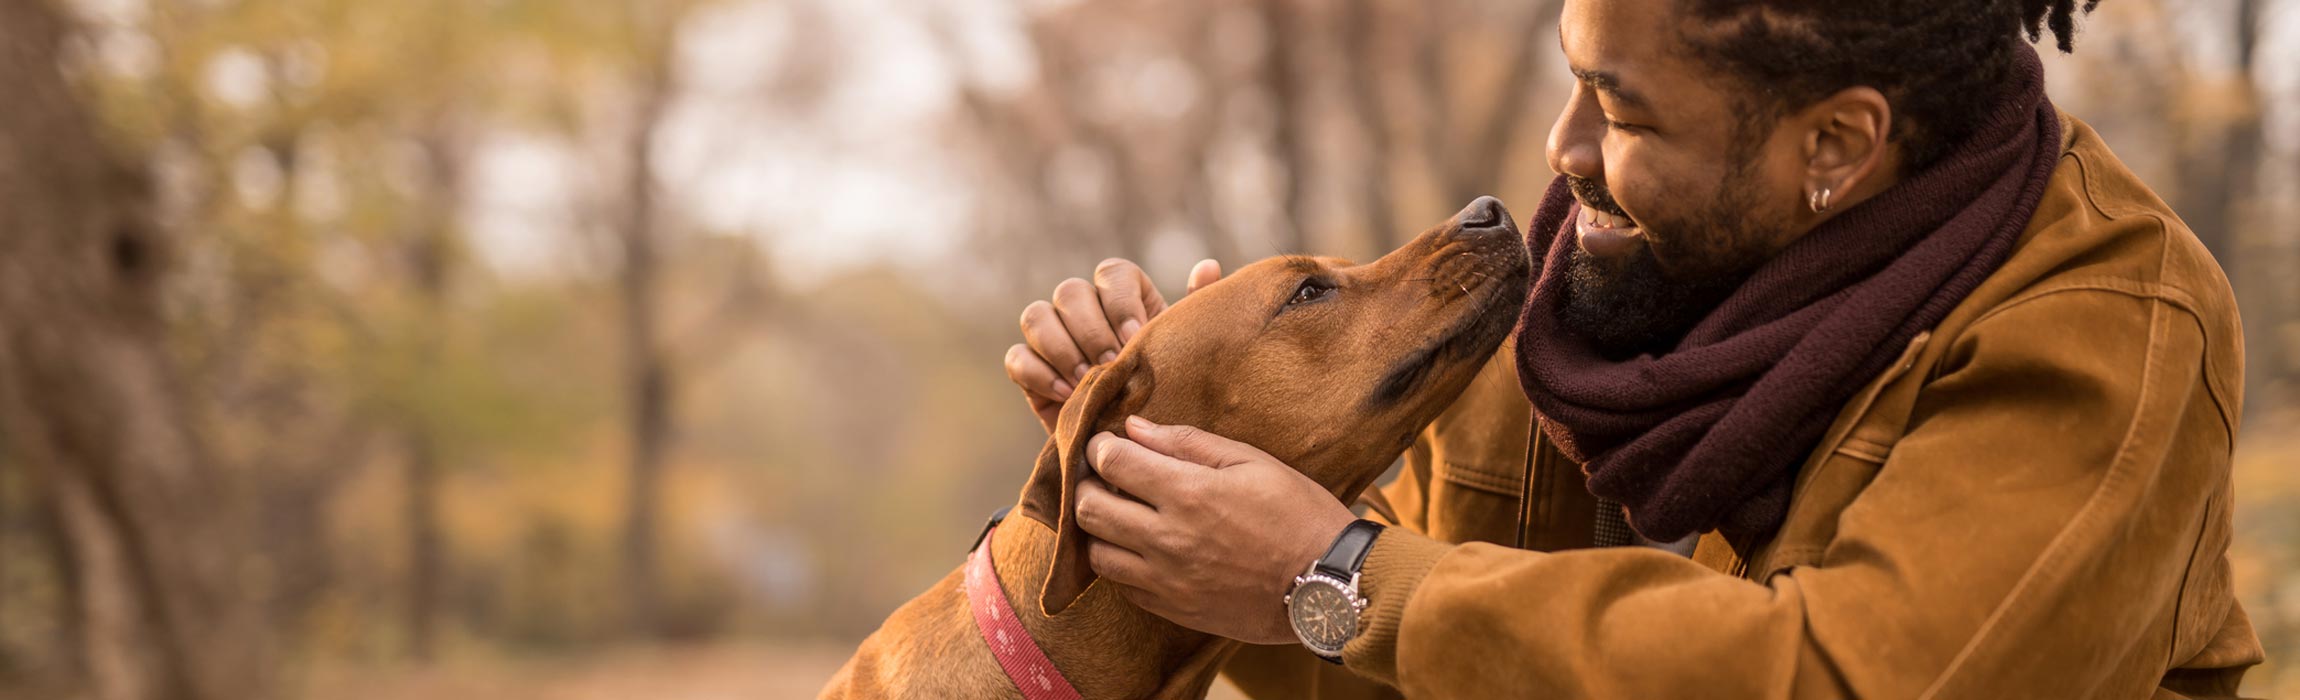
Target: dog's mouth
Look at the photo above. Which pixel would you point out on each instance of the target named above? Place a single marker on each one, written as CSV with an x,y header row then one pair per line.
x,y
1472,336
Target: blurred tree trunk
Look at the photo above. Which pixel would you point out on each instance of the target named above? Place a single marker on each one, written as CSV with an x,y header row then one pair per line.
x,y
429,257
1465,168
1376,199
71,624
2217,191
1283,26
1478,170
647,372
93,404
7,523
425,562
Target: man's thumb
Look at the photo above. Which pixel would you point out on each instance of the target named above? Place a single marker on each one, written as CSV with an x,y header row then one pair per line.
x,y
1202,274
1189,444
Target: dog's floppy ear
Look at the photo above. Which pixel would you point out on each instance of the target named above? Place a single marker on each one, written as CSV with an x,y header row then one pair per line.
x,y
1100,404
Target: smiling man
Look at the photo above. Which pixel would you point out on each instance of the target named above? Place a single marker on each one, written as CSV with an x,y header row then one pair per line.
x,y
1852,368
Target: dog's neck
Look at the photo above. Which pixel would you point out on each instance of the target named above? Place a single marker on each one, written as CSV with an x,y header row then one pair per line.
x,y
1170,661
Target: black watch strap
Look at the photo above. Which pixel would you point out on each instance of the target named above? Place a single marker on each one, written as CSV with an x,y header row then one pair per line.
x,y
1348,553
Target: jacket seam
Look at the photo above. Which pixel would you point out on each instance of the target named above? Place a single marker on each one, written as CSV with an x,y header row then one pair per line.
x,y
2154,291
1474,478
2187,574
2118,472
2158,293
1864,449
2084,175
2087,173
2147,291
2091,182
1787,558
1527,473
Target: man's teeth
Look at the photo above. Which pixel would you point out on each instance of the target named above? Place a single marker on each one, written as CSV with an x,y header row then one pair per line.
x,y
1600,219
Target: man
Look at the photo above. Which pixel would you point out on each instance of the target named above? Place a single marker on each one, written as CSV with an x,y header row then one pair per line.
x,y
1938,396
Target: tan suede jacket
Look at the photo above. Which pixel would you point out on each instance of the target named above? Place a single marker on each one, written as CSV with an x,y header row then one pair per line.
x,y
2033,503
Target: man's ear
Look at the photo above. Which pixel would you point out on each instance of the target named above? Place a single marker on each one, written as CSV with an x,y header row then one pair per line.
x,y
1849,144
1100,404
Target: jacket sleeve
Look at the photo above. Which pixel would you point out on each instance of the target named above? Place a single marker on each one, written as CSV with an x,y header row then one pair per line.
x,y
2035,520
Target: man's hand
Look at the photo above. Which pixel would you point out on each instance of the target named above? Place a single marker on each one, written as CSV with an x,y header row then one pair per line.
x,y
1086,324
1218,535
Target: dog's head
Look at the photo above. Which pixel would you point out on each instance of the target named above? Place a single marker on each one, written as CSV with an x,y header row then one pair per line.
x,y
1331,368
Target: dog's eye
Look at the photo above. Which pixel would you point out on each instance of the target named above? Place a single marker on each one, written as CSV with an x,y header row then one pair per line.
x,y
1311,290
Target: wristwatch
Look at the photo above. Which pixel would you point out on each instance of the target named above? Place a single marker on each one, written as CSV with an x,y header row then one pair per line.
x,y
1325,605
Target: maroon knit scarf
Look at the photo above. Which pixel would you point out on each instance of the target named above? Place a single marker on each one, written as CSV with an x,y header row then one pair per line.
x,y
1710,435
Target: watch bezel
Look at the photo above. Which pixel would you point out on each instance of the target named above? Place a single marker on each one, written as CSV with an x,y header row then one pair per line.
x,y
1349,591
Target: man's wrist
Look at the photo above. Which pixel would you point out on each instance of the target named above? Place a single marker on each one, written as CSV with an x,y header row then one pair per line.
x,y
1331,528
1393,571
1325,606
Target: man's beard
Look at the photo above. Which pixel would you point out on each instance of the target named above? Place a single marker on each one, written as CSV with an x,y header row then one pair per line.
x,y
1629,307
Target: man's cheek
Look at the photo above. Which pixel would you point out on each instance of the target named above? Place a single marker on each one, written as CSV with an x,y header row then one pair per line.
x,y
1632,187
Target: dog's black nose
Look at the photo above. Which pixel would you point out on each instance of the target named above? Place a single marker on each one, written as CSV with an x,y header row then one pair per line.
x,y
1485,212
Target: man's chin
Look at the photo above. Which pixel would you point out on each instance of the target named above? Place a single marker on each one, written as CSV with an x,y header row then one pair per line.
x,y
1625,306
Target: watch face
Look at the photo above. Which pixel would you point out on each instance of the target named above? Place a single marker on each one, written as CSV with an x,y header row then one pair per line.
x,y
1323,615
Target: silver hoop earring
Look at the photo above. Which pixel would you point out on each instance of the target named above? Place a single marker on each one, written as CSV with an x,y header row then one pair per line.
x,y
1819,201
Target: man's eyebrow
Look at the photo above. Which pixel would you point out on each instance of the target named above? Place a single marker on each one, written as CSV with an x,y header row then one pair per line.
x,y
1611,84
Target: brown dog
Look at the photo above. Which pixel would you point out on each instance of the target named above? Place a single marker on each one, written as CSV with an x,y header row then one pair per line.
x,y
1330,368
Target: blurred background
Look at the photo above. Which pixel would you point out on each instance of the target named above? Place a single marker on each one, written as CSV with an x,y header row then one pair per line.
x,y
627,348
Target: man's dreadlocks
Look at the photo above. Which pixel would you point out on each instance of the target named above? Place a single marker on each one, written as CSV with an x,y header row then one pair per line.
x,y
1941,64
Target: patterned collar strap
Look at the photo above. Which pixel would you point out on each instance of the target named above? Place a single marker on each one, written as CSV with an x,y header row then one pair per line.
x,y
1025,664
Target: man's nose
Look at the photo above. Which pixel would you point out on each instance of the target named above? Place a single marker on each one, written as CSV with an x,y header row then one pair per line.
x,y
1577,140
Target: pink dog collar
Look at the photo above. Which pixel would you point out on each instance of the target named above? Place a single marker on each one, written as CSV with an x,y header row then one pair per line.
x,y
1025,664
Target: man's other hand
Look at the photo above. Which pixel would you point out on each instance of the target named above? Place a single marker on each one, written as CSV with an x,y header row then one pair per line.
x,y
1086,324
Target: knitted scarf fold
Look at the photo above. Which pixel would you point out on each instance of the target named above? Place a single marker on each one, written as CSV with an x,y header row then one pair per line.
x,y
1710,435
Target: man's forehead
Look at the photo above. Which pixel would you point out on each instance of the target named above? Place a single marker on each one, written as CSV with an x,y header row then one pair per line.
x,y
1618,46
1613,28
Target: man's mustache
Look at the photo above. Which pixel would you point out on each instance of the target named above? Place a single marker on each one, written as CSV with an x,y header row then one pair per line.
x,y
1594,195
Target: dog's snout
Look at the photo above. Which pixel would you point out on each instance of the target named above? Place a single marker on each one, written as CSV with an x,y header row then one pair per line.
x,y
1484,213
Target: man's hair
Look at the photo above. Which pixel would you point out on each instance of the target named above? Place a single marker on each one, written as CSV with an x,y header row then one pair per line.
x,y
1941,64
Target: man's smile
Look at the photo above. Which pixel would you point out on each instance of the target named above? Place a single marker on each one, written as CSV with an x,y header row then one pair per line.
x,y
1607,235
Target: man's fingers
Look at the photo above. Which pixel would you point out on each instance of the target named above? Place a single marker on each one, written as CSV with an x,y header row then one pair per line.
x,y
1031,372
1152,477
1108,516
1081,310
1042,329
1202,274
1128,298
1189,444
1120,566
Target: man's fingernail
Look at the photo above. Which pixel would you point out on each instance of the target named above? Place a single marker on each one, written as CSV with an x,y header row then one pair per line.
x,y
1079,372
1062,390
1127,330
1134,423
1108,356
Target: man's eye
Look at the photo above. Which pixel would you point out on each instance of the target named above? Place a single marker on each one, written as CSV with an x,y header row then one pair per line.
x,y
1310,291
